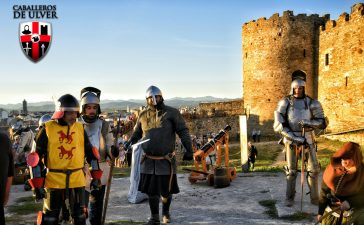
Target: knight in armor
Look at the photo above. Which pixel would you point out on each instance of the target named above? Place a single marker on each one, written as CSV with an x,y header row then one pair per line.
x,y
295,112
24,143
342,189
101,137
57,164
160,124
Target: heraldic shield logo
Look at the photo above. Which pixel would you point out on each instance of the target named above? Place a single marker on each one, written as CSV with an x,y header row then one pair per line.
x,y
35,39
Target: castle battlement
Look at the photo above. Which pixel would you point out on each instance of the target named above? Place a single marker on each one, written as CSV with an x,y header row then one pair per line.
x,y
287,16
357,12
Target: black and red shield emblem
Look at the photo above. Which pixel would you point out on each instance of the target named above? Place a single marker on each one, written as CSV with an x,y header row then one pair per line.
x,y
35,39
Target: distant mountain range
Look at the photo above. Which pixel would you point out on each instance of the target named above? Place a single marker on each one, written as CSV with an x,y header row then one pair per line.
x,y
110,105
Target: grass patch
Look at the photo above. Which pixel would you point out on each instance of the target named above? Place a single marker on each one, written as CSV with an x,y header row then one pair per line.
x,y
25,206
271,208
326,148
273,169
267,154
271,211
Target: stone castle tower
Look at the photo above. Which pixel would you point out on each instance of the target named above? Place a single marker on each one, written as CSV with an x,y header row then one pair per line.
x,y
274,48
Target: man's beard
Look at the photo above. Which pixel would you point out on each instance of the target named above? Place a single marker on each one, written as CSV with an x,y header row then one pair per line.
x,y
89,118
157,106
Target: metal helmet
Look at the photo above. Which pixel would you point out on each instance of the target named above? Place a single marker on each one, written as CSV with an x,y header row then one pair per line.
x,y
65,103
299,74
153,91
44,119
298,83
17,125
90,95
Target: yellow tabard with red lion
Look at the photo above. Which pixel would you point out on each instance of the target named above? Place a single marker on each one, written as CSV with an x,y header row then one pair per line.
x,y
65,151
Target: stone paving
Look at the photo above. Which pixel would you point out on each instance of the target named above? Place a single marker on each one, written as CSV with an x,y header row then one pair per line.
x,y
203,204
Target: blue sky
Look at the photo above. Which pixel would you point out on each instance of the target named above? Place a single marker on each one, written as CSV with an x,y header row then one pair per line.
x,y
188,48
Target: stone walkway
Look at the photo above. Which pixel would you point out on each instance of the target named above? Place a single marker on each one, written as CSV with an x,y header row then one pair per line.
x,y
202,204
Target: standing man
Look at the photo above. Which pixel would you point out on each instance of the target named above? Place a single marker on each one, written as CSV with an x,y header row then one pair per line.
x,y
160,124
295,112
62,145
101,137
254,135
6,173
258,135
25,141
252,155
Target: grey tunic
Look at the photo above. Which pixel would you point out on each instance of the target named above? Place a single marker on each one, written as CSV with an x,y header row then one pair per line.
x,y
160,126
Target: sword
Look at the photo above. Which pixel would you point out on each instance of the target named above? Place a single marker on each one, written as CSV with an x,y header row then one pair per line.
x,y
27,48
42,47
302,166
140,142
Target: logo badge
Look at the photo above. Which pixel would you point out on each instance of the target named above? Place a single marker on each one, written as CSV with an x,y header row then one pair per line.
x,y
35,39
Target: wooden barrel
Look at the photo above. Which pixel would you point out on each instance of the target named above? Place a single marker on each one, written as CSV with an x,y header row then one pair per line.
x,y
221,177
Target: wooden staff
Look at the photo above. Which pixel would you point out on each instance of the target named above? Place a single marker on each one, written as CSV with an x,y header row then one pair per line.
x,y
108,187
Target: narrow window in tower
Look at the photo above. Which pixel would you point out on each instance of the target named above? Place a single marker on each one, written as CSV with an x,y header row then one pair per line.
x,y
326,59
346,81
304,53
246,55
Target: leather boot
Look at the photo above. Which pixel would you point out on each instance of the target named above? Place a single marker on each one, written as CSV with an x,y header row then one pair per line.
x,y
153,220
154,210
289,202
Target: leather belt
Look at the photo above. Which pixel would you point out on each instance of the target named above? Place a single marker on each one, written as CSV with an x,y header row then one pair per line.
x,y
167,157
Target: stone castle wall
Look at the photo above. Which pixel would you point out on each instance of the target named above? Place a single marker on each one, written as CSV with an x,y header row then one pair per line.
x,y
273,48
226,108
206,125
341,78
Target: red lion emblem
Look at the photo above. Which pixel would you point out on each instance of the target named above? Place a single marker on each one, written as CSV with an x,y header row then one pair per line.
x,y
65,152
63,136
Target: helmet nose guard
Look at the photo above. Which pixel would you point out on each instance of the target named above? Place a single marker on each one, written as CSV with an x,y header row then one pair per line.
x,y
153,91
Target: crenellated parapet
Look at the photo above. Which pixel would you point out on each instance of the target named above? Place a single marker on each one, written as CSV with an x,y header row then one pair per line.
x,y
357,10
357,13
286,17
